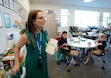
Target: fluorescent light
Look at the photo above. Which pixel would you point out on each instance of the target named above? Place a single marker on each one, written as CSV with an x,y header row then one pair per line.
x,y
87,0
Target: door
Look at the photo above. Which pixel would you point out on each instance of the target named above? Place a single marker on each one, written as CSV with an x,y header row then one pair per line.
x,y
51,25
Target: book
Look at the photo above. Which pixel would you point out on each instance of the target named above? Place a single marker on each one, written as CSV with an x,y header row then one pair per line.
x,y
51,46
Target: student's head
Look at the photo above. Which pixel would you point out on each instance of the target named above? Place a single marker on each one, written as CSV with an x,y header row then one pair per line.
x,y
59,34
36,20
86,34
64,34
103,37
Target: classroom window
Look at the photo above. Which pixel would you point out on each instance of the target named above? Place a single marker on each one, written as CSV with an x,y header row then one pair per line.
x,y
85,18
64,17
106,16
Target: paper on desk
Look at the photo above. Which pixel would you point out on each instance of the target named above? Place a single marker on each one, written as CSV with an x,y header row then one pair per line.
x,y
50,48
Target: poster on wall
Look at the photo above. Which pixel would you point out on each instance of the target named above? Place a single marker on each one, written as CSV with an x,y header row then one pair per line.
x,y
15,6
1,20
1,3
11,2
7,20
20,10
6,3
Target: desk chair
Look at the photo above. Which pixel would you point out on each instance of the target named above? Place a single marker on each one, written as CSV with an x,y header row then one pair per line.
x,y
65,51
69,54
101,58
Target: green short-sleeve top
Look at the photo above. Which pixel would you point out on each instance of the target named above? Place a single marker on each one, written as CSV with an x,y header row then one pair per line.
x,y
32,57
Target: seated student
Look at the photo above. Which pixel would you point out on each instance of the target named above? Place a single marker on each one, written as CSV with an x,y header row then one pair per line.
x,y
58,37
101,43
87,36
63,43
88,50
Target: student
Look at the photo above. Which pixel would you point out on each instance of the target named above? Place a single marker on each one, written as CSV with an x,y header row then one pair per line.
x,y
58,36
63,40
63,43
35,39
85,53
87,36
101,43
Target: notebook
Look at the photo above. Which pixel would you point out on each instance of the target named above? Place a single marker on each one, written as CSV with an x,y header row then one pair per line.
x,y
51,45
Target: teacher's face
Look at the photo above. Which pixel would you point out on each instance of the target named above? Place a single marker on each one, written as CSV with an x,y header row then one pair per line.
x,y
40,20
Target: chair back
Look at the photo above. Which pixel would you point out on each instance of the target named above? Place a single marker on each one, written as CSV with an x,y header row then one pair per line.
x,y
66,50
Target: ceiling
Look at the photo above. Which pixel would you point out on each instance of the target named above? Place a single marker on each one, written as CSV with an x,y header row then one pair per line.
x,y
95,3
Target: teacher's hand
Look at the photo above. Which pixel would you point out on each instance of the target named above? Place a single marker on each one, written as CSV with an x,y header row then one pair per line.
x,y
15,69
56,49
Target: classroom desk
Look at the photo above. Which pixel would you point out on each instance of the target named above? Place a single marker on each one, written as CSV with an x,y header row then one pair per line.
x,y
81,42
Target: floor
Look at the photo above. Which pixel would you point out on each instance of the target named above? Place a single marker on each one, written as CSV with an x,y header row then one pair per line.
x,y
83,71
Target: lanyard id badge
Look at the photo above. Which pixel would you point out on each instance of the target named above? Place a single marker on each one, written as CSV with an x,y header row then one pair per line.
x,y
39,46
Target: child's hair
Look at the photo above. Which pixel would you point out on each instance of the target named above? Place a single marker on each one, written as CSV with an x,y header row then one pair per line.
x,y
64,32
103,36
86,33
58,33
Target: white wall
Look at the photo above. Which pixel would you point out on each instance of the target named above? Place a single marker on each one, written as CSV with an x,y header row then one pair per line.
x,y
25,4
3,31
13,16
61,29
57,8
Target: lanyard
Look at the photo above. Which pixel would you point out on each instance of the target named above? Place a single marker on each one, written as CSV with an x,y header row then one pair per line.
x,y
39,44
